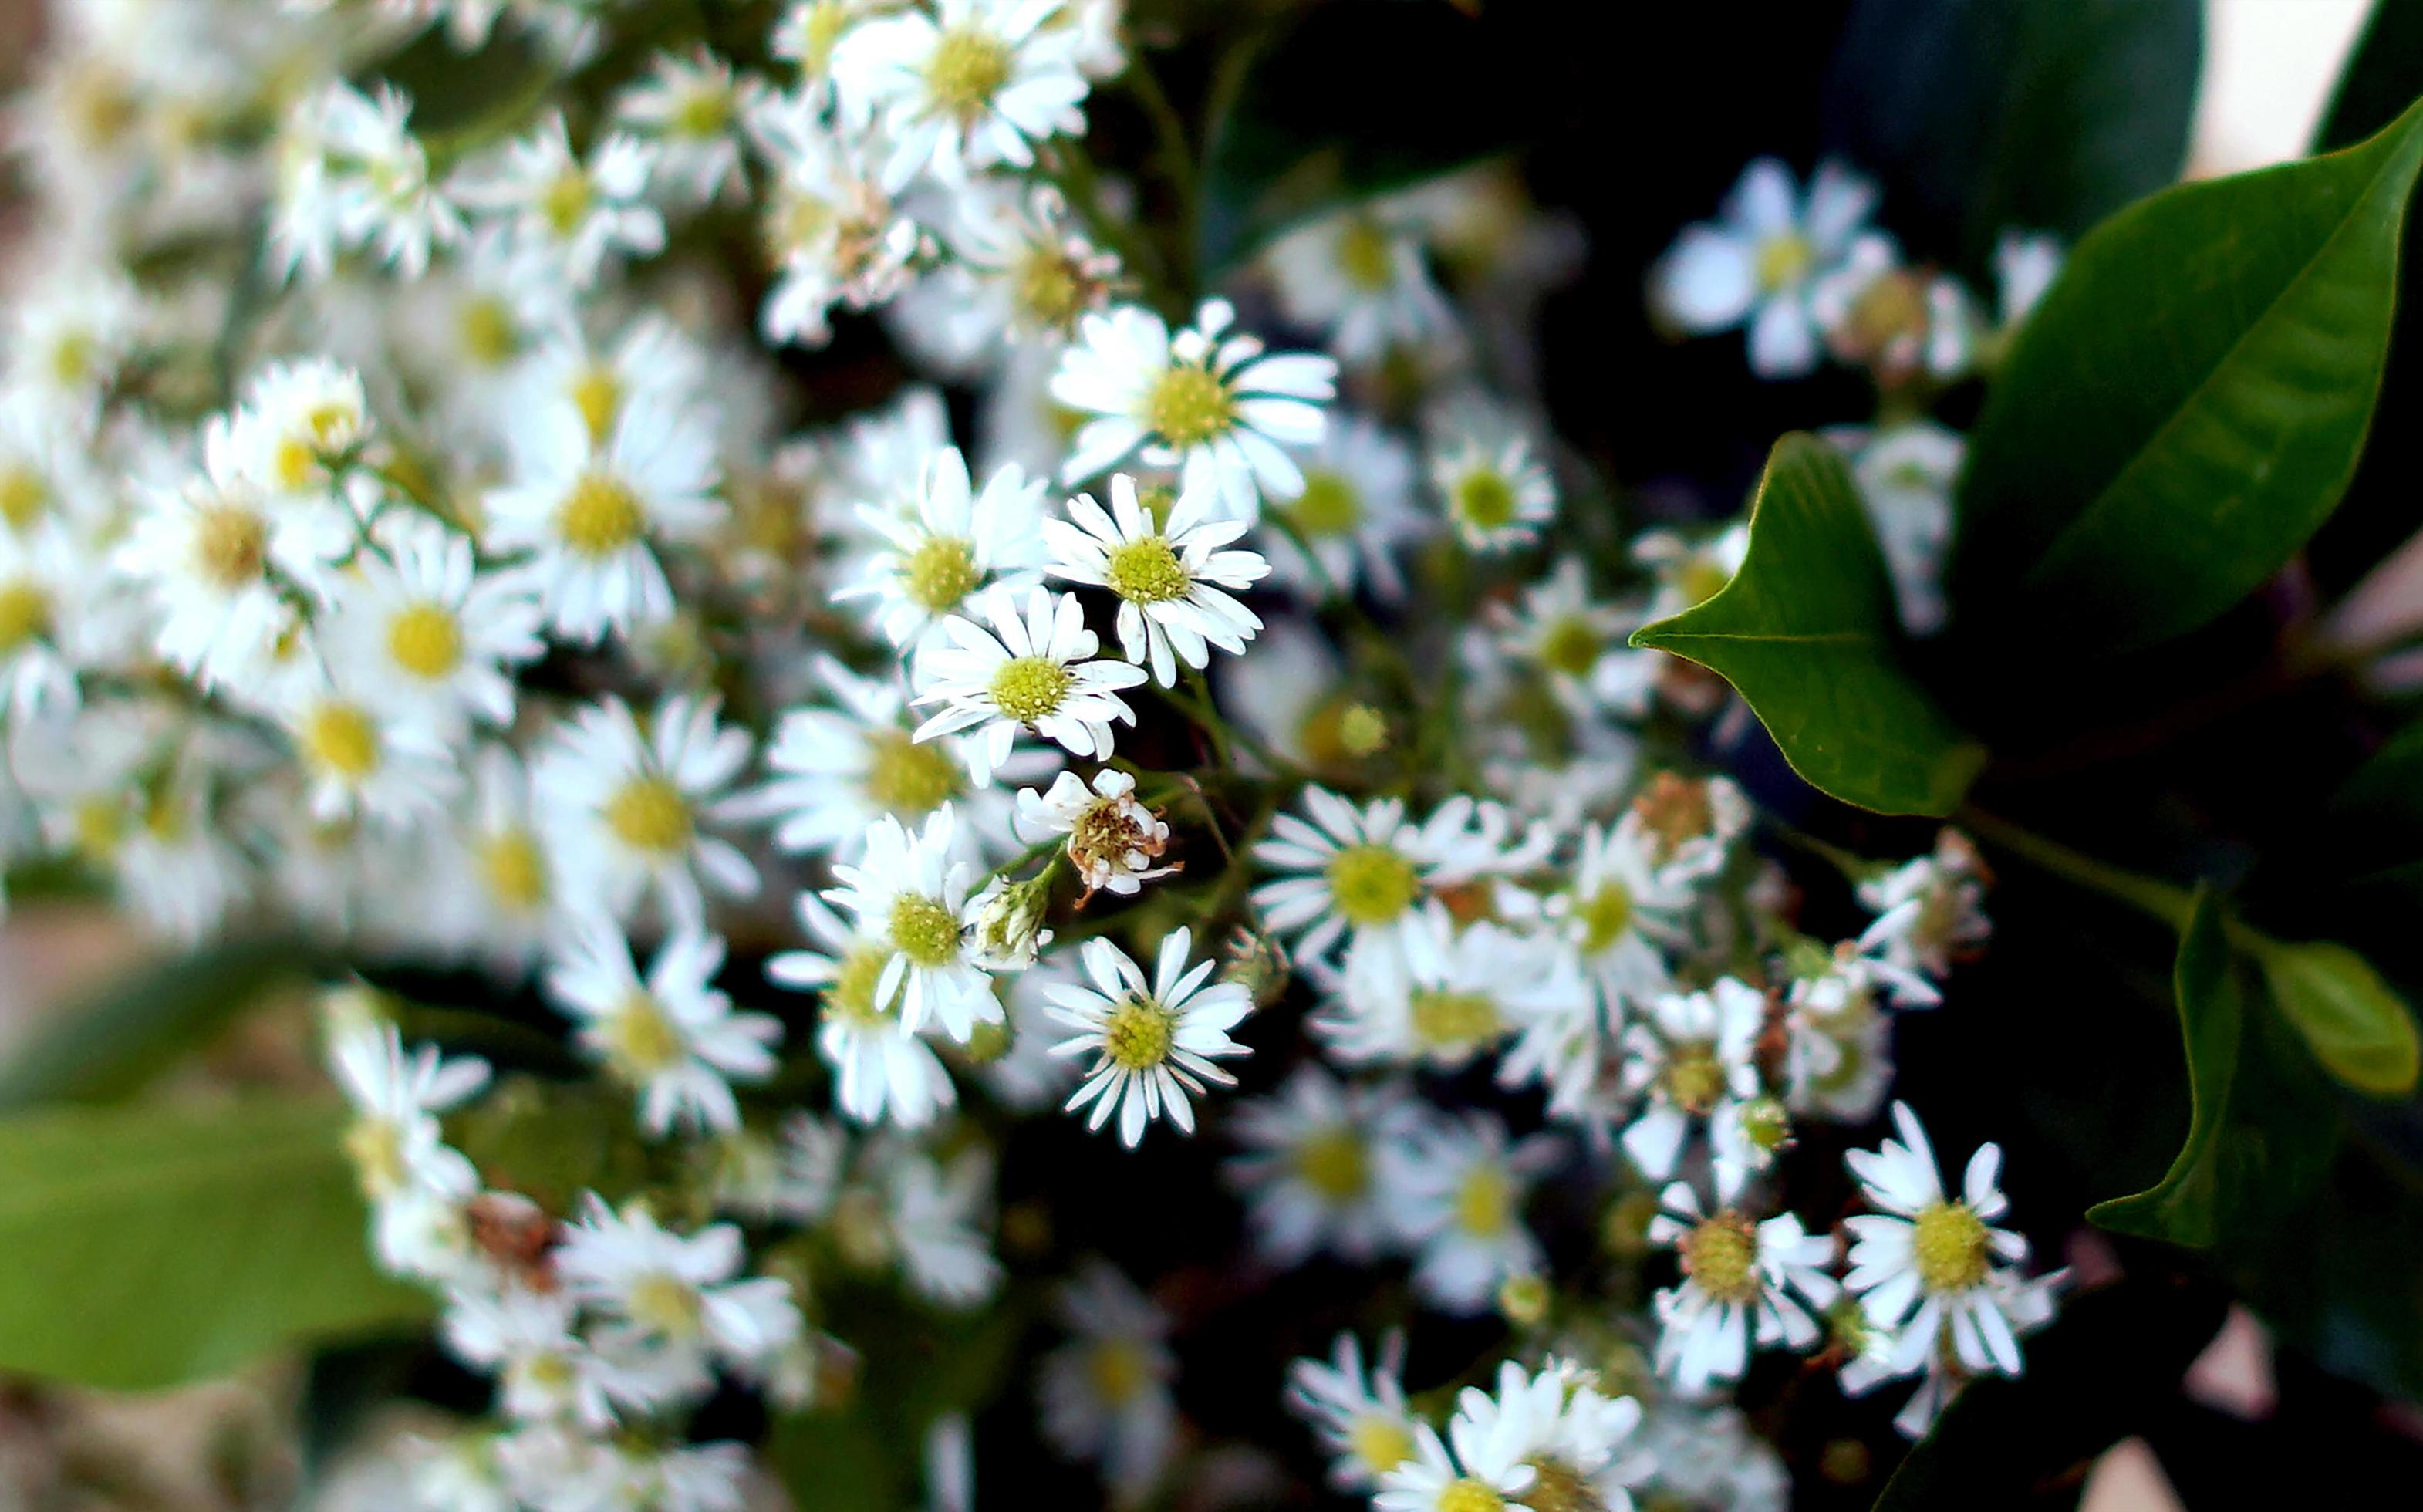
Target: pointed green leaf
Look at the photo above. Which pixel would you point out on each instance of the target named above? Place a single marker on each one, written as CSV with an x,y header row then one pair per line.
x,y
1805,632
2358,1026
2187,405
152,1246
2264,1124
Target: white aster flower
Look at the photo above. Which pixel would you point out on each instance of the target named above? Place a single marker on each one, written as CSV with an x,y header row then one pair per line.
x,y
1034,669
1308,1166
1483,1473
1741,1282
674,1292
948,541
1215,407
1154,1040
938,1215
672,1037
1555,1423
1174,580
1905,473
395,1143
910,892
1904,324
1453,993
578,214
1359,275
688,108
973,83
360,760
1105,1394
1498,493
884,1071
1356,512
527,1339
420,631
1758,264
1359,1415
1694,1056
1456,1191
831,229
377,179
1113,839
1930,910
623,807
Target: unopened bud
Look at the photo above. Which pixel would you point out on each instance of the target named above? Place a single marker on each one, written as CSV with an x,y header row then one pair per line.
x,y
1524,1300
1257,963
1362,730
1007,921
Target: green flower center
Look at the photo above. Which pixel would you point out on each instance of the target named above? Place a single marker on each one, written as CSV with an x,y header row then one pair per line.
x,y
564,203
1453,1021
1371,884
1485,499
640,1040
1783,260
1329,506
702,113
1137,1035
1049,287
1117,1370
1335,1163
1604,916
924,931
850,996
1380,1443
939,573
515,869
968,69
907,779
1948,1242
1187,406
649,813
1365,255
1721,1254
1571,645
23,495
1695,1078
1147,571
666,1305
24,612
1484,1201
1027,687
230,543
488,334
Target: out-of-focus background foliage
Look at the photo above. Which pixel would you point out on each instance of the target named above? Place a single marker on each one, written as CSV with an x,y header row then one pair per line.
x,y
2268,67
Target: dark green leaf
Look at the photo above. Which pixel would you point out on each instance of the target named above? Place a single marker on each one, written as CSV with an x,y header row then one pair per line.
x,y
1804,632
2187,403
152,1246
2359,1029
112,1043
1987,116
2109,1362
837,1459
2264,1124
458,96
2383,75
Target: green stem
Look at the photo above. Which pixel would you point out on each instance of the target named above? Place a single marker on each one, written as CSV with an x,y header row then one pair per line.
x,y
1170,129
2164,900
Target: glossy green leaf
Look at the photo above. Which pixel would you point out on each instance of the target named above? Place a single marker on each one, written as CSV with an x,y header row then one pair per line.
x,y
2188,403
1987,116
1805,632
2264,1123
111,1044
151,1246
2358,1026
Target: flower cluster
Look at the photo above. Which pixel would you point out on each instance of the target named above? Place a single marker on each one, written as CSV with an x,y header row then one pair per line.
x,y
492,549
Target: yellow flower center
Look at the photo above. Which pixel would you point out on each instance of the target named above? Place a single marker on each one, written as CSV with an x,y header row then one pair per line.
x,y
1484,1201
1380,1443
907,779
488,332
924,931
599,516
23,495
1948,1242
1695,1078
514,868
702,113
649,813
339,738
1050,289
1452,1021
939,573
1365,254
642,1041
598,393
796,221
425,640
1464,1494
24,612
1187,406
100,827
1334,1163
1783,260
376,1150
565,203
230,543
969,67
1137,1035
1571,645
1147,571
1027,687
1117,1369
1604,915
1720,1254
850,996
73,360
1485,499
1329,506
1371,884
666,1305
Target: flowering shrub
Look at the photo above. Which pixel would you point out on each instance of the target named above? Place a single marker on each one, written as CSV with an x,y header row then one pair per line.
x,y
1012,763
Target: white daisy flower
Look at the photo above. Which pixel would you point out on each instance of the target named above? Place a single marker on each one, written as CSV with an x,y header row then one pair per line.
x,y
1498,493
1931,911
686,108
378,186
1452,994
1456,1190
423,633
1741,1282
623,807
947,542
1688,825
937,1218
1758,263
578,214
1483,1473
975,83
1620,905
884,1071
43,608
1360,276
1356,511
1359,1415
585,514
672,1037
807,32
672,1292
1902,324
1905,473
298,423
650,362
1308,1166
909,892
1693,1055
831,229
71,329
526,1339
387,767
1928,1266
1113,839
1023,271
1154,1040
395,1143
1215,406
1105,1393
1576,643
1173,579
1555,1424
1034,669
